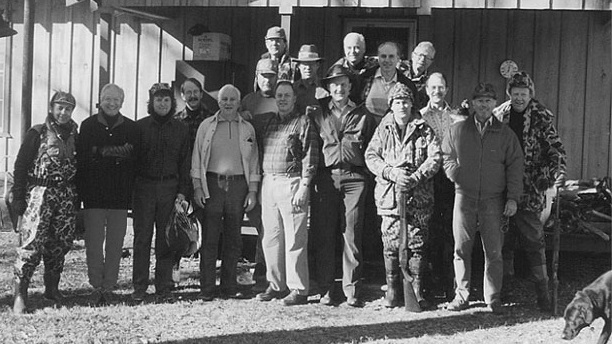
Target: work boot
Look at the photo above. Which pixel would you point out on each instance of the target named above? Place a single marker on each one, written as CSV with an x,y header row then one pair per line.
x,y
52,292
541,288
393,281
416,270
20,304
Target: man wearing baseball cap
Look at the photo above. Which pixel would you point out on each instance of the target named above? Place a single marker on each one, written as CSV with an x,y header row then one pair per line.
x,y
44,194
339,188
262,99
483,157
278,50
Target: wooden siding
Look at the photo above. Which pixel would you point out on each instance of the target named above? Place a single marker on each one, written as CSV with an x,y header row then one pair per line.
x,y
567,53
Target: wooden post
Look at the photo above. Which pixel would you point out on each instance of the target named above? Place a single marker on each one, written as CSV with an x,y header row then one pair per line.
x,y
286,11
28,56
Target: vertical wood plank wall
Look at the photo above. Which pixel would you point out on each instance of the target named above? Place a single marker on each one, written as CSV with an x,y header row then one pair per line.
x,y
566,52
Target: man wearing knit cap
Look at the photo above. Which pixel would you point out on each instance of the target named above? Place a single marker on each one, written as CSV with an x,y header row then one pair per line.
x,y
355,61
404,154
278,50
308,88
162,179
545,157
339,188
483,157
262,99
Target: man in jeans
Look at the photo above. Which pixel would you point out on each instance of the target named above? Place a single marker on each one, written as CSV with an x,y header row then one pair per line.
x,y
483,157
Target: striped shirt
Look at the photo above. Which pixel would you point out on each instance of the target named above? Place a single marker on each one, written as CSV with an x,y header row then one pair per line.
x,y
290,145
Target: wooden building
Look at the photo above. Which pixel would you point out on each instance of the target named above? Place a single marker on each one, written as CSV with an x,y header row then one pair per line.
x,y
563,44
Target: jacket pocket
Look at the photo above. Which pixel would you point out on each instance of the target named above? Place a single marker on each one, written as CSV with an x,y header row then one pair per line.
x,y
385,195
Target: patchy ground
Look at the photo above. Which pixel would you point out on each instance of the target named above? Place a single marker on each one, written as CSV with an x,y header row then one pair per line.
x,y
248,321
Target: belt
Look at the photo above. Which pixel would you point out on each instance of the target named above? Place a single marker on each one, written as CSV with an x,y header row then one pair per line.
x,y
344,169
286,174
49,182
213,175
160,178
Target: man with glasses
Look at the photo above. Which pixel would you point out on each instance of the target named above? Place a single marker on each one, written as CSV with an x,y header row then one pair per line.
x,y
278,50
416,69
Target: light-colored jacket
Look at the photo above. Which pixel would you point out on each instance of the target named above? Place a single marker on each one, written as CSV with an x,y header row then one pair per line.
x,y
248,151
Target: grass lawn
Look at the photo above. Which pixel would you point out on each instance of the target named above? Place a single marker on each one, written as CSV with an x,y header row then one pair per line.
x,y
248,321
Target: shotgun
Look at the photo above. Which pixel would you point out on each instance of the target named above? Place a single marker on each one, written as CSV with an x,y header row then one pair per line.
x,y
410,300
555,257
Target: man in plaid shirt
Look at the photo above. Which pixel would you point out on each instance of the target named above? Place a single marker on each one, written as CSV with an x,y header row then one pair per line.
x,y
290,156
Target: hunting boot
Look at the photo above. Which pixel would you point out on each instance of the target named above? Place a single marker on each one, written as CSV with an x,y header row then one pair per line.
x,y
541,288
416,266
20,304
393,281
51,279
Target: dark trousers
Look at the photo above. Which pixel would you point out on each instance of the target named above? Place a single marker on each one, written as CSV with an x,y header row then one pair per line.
x,y
441,242
153,202
224,211
337,204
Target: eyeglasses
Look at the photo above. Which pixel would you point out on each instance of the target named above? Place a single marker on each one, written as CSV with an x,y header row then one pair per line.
x,y
423,56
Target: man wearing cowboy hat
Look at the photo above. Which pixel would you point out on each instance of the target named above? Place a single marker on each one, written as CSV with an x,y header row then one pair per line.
x,y
339,187
545,158
308,89
276,43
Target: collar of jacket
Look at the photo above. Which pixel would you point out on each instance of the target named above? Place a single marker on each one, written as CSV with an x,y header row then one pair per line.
x,y
102,120
496,125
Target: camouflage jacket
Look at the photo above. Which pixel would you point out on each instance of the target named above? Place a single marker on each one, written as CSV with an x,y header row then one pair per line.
x,y
418,152
545,156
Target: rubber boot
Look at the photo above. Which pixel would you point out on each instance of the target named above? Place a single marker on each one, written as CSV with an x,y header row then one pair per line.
x,y
416,270
541,287
393,281
20,304
52,292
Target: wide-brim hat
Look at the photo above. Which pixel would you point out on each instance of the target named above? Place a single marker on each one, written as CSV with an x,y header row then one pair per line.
x,y
484,90
308,53
336,71
276,32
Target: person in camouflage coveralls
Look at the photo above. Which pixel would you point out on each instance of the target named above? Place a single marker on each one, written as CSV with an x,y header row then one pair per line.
x,y
44,193
545,158
404,154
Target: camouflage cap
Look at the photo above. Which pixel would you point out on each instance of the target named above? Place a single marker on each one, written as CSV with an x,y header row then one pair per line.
x,y
522,80
61,97
398,91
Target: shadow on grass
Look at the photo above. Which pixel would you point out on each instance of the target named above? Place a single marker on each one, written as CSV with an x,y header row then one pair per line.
x,y
440,326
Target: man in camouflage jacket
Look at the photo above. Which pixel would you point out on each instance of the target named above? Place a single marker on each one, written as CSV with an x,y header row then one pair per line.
x,y
545,157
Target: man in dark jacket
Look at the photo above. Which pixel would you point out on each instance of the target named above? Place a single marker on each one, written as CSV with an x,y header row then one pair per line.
x,y
162,179
483,157
339,187
105,157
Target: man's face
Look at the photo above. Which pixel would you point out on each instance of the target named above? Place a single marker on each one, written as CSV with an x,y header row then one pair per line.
x,y
276,46
388,57
285,98
111,101
308,69
162,105
421,59
354,50
401,108
191,95
62,113
436,89
519,98
483,107
229,101
339,88
266,82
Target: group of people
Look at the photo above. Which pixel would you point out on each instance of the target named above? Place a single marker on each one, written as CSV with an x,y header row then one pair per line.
x,y
373,138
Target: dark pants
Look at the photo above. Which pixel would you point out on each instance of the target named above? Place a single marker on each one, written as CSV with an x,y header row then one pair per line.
x,y
224,211
527,231
441,242
337,203
153,202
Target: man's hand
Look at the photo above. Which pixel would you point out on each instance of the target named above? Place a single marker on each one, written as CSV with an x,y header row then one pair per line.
x,y
560,181
199,198
300,199
402,178
250,201
510,208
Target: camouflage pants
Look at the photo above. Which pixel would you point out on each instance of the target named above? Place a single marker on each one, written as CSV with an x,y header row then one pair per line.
x,y
47,230
416,235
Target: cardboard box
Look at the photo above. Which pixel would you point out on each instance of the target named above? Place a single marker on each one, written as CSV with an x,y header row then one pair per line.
x,y
212,46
